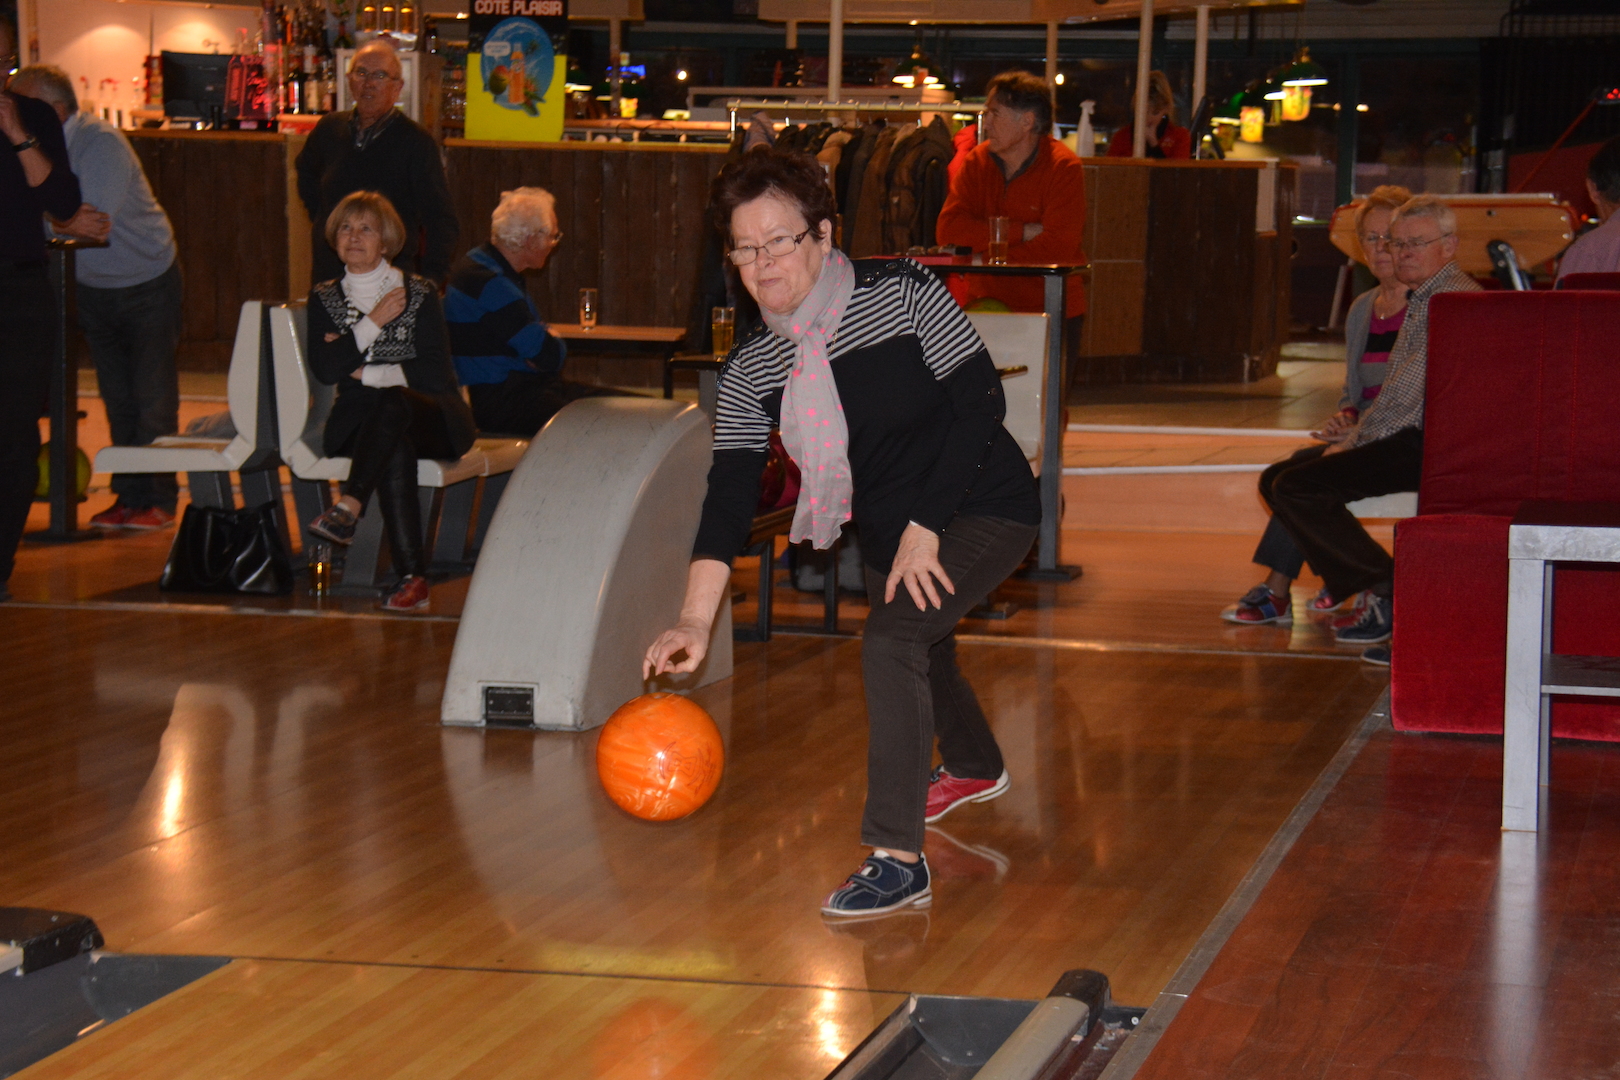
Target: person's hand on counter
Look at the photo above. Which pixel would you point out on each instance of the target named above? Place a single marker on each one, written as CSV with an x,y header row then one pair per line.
x,y
1032,230
88,224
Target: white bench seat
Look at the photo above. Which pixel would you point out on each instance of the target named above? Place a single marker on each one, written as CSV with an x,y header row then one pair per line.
x,y
454,492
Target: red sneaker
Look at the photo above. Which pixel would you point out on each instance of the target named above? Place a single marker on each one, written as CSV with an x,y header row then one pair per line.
x,y
114,517
947,792
411,594
149,519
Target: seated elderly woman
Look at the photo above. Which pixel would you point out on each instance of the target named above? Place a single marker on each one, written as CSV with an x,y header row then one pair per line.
x,y
890,404
379,335
1370,329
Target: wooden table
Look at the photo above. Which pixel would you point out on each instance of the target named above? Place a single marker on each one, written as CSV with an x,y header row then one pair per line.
x,y
667,338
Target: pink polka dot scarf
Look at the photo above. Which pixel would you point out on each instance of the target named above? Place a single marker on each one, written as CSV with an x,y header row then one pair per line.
x,y
813,426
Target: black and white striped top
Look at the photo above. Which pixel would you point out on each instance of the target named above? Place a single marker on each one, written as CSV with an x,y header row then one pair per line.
x,y
924,407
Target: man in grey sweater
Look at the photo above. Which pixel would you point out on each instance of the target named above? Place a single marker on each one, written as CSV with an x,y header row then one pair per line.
x,y
1382,452
129,295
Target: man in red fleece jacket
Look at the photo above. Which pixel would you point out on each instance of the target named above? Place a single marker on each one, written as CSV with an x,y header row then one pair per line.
x,y
1019,171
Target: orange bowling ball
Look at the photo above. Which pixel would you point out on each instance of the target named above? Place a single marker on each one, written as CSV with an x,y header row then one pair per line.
x,y
660,757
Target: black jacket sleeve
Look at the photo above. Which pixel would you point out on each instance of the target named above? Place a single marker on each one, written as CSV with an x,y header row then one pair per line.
x,y
431,371
978,406
311,162
58,194
729,505
331,361
438,212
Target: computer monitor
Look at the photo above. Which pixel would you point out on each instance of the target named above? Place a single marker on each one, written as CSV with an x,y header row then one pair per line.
x,y
194,85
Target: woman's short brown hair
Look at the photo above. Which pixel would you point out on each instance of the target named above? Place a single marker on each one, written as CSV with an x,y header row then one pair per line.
x,y
795,178
389,226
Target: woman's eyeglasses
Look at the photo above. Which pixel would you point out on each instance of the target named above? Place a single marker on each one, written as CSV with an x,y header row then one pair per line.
x,y
775,247
1372,240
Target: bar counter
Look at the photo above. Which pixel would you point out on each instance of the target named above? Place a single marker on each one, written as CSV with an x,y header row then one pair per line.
x,y
1190,260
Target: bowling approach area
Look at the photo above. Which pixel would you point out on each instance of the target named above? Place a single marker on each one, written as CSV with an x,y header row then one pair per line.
x,y
1217,818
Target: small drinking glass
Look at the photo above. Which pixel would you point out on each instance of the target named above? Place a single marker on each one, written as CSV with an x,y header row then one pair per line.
x,y
723,324
1000,235
588,308
320,569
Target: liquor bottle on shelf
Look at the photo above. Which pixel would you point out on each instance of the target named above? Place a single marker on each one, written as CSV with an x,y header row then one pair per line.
x,y
343,40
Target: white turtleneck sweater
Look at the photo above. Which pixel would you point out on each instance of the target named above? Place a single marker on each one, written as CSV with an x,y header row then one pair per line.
x,y
364,291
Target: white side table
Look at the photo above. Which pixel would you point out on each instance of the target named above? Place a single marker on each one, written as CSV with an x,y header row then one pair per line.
x,y
1544,533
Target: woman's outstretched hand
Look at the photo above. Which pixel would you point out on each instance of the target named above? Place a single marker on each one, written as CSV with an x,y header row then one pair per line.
x,y
692,638
917,564
707,581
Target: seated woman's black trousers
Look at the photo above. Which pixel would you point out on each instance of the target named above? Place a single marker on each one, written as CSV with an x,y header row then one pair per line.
x,y
401,426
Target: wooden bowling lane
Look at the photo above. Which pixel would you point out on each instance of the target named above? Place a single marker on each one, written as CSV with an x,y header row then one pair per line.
x,y
1405,935
279,789
278,1019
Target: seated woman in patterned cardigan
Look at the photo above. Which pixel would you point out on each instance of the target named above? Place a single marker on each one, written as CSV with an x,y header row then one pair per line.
x,y
379,335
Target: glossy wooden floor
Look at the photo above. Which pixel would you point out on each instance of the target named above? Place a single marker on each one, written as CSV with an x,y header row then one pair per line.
x,y
1406,936
407,900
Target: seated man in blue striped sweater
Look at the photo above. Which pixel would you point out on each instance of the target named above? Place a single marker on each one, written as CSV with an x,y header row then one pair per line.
x,y
510,365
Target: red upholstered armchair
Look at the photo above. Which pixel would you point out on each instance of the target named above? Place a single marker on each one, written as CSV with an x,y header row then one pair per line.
x,y
1523,402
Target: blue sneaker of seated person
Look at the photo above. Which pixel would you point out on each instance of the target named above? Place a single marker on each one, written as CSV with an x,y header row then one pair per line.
x,y
1375,624
882,884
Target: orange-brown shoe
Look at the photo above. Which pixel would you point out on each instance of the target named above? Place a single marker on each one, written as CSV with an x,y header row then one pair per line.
x,y
149,519
114,517
411,594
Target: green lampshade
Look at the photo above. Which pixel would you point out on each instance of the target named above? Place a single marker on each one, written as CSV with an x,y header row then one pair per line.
x,y
1304,71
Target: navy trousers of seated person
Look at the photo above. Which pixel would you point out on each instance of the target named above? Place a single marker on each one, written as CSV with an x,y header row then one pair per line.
x,y
1312,499
401,425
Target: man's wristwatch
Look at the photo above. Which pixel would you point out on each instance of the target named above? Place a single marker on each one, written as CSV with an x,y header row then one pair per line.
x,y
27,144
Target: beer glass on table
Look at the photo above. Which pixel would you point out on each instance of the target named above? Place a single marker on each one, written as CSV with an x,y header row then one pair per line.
x,y
1000,235
723,324
588,308
320,568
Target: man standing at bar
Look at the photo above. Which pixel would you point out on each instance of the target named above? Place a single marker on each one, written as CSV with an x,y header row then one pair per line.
x,y
129,295
35,179
1020,172
375,147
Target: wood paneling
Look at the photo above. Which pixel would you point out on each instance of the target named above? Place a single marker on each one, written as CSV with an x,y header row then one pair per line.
x,y
1184,289
632,216
226,194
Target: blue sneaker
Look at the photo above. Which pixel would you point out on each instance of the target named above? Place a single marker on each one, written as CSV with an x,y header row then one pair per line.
x,y
1377,655
1373,627
882,884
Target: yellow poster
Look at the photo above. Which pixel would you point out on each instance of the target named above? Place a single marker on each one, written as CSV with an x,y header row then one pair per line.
x,y
516,66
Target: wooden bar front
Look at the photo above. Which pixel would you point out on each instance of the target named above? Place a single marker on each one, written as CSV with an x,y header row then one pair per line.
x,y
1190,281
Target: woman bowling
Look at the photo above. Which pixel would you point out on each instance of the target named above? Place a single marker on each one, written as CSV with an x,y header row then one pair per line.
x,y
888,401
380,336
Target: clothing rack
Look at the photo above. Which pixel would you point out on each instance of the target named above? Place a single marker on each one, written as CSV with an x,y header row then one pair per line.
x,y
901,108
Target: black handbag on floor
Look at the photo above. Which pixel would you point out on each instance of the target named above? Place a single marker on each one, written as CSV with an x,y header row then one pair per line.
x,y
228,551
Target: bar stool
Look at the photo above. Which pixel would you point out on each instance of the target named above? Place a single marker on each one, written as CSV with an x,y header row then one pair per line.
x,y
1544,533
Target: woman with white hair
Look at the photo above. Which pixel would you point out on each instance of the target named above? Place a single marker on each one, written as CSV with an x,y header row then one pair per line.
x,y
504,355
378,334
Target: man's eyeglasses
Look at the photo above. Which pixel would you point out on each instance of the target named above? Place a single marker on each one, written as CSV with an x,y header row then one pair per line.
x,y
550,239
775,247
1398,246
372,76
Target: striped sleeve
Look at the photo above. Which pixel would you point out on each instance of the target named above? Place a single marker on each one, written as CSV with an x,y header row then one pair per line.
x,y
948,338
755,370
